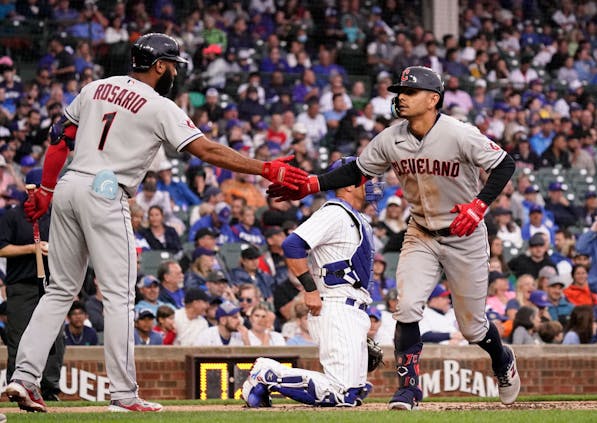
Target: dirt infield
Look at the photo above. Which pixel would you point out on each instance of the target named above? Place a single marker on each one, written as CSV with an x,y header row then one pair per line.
x,y
426,406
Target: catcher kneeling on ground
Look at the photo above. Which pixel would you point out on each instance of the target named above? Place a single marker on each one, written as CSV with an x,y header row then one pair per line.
x,y
335,275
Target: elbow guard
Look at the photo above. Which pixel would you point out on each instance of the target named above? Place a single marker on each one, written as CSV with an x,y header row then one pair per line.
x,y
295,247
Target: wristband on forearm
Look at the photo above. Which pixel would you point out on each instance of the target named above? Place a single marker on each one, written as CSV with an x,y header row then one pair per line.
x,y
307,281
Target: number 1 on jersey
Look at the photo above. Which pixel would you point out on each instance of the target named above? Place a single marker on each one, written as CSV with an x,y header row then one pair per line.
x,y
108,118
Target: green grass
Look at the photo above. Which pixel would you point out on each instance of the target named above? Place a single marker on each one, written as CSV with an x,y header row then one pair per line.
x,y
329,416
527,398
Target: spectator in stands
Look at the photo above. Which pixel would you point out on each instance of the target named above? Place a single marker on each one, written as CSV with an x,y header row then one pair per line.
x,y
455,96
379,51
507,230
326,68
380,284
144,332
116,32
579,292
307,87
249,272
171,282
190,320
522,76
584,65
331,91
179,192
249,297
245,230
301,335
580,158
588,212
543,139
218,221
202,264
62,13
314,121
151,196
228,332
439,323
526,324
538,224
551,332
559,308
382,102
149,288
75,331
213,35
580,328
90,25
214,75
536,259
557,153
160,236
567,73
499,293
563,210
261,333
165,324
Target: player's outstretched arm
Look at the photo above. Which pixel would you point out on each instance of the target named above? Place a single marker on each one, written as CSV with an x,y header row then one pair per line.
x,y
346,175
277,171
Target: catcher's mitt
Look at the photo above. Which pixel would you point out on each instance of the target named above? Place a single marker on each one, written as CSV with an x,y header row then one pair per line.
x,y
375,355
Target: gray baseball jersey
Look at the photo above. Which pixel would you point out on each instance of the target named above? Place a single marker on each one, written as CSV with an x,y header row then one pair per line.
x,y
436,173
121,124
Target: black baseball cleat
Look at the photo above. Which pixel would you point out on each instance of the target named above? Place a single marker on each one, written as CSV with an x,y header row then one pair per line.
x,y
404,399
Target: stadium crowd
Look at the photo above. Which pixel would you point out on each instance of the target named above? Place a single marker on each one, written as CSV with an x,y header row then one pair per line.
x,y
272,78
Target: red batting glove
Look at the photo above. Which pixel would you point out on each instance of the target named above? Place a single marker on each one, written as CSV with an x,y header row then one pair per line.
x,y
280,172
469,216
282,193
38,203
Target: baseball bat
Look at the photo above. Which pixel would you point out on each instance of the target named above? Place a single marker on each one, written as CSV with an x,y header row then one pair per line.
x,y
39,262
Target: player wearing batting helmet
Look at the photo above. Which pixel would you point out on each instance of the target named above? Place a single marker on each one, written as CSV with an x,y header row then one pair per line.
x,y
436,159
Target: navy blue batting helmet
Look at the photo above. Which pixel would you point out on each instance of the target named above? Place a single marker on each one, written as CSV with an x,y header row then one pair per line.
x,y
150,48
422,78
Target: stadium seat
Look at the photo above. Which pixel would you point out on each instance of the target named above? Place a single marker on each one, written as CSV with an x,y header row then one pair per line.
x,y
230,254
391,258
151,260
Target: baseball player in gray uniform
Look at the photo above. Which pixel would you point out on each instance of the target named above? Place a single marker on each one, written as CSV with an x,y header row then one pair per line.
x,y
116,126
436,158
335,274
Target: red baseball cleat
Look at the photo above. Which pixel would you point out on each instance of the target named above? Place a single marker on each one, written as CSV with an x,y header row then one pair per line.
x,y
27,395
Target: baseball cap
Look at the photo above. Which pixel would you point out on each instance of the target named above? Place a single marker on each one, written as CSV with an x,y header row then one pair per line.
x,y
165,165
536,240
547,272
249,252
394,199
230,106
200,251
222,210
590,194
555,186
226,309
34,176
144,313
574,106
27,161
274,230
439,291
500,211
12,192
244,54
376,10
217,276
211,191
195,294
147,281
535,209
531,189
480,83
494,315
212,49
496,275
539,298
557,279
379,257
299,127
211,92
374,312
206,232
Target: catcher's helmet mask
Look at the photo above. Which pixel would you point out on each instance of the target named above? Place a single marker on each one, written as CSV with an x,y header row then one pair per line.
x,y
419,78
152,47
